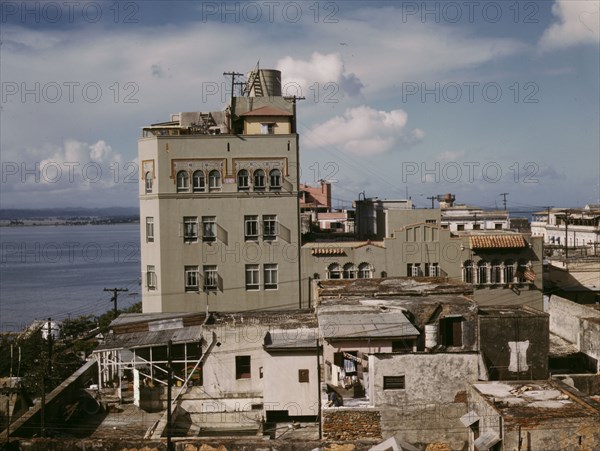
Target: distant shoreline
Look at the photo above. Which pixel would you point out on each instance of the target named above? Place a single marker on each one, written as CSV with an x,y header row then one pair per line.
x,y
66,222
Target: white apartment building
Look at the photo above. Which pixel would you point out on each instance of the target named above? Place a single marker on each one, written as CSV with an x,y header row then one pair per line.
x,y
574,227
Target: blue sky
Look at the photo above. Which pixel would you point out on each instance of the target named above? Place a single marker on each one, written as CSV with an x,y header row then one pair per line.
x,y
473,98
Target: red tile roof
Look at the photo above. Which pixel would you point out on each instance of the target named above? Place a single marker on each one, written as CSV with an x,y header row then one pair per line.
x,y
497,241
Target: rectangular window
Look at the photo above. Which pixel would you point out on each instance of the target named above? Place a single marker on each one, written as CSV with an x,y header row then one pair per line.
x,y
267,128
431,221
149,229
402,345
393,383
476,226
497,226
270,228
270,276
151,278
190,228
209,228
251,228
460,227
451,331
413,270
434,270
252,277
191,278
211,278
303,376
242,367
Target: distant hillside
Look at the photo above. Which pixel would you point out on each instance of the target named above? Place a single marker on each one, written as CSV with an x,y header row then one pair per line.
x,y
109,212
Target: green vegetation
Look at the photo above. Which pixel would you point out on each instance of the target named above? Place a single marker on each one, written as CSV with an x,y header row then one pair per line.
x,y
78,339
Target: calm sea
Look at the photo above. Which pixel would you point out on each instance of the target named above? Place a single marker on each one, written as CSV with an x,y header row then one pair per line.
x,y
61,271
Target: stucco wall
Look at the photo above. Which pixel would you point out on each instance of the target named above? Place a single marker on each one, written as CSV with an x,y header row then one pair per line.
x,y
433,401
514,345
565,318
169,253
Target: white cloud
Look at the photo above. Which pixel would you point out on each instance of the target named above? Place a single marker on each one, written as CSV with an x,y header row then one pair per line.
x,y
578,23
72,174
320,69
364,131
450,155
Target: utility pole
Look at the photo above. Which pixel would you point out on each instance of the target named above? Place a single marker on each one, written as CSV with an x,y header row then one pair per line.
x,y
44,374
115,295
567,239
432,198
504,199
169,384
294,99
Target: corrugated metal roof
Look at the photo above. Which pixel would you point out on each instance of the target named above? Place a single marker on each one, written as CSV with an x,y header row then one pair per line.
x,y
303,338
366,325
497,241
147,339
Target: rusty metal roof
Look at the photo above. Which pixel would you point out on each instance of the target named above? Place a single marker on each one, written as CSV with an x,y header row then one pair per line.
x,y
497,241
366,325
155,338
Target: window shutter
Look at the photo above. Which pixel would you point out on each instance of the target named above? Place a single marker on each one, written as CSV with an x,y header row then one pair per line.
x,y
286,185
180,229
284,232
219,282
222,235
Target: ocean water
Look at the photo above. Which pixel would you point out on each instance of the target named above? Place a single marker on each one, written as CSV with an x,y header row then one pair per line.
x,y
61,271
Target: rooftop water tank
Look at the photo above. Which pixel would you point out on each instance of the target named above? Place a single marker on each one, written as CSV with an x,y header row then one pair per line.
x,y
264,83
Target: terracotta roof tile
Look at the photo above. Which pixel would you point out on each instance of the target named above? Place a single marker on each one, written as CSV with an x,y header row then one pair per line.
x,y
497,241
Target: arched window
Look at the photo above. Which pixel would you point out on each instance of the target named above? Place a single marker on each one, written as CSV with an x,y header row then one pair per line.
x,y
198,182
496,272
214,180
183,181
243,180
275,179
334,271
259,179
148,180
365,271
482,268
509,271
468,272
350,271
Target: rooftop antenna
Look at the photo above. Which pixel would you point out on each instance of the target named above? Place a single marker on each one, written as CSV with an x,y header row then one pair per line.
x,y
431,199
504,199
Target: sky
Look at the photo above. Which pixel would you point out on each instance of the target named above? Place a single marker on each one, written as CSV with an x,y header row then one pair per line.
x,y
402,98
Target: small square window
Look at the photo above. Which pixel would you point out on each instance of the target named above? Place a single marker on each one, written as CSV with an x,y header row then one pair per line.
x,y
393,383
303,376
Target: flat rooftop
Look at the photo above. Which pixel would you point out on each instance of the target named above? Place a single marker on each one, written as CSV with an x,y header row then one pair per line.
x,y
537,400
392,286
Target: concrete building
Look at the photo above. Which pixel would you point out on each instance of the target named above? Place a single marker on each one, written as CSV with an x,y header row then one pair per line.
x,y
535,415
406,349
219,205
574,278
505,268
579,325
575,228
233,373
458,218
